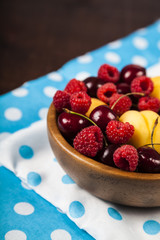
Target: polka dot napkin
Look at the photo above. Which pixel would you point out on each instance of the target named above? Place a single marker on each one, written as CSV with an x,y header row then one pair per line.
x,y
34,163
25,151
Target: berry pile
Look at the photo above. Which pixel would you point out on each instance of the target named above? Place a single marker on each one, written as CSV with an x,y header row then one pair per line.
x,y
89,114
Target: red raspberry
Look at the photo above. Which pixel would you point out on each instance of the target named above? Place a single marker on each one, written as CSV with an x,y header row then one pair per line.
x,y
126,158
119,132
61,100
142,84
123,105
105,92
149,103
75,85
108,73
80,102
89,141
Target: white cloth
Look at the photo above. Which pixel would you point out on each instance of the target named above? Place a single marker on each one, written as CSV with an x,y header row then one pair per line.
x,y
96,221
102,220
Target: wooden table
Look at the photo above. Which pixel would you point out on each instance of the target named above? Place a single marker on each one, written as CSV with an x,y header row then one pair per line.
x,y
39,36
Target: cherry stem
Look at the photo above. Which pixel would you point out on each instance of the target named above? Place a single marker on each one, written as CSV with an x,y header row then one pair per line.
x,y
81,115
150,144
155,124
127,94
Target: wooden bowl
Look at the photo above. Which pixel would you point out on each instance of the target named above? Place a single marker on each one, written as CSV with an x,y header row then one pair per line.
x,y
105,182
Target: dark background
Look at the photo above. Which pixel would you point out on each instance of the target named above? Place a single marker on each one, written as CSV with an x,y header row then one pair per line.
x,y
39,36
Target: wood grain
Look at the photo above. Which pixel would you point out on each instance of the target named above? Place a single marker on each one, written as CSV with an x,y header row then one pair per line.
x,y
108,183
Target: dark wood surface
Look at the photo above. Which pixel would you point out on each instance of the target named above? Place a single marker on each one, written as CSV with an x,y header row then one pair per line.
x,y
39,36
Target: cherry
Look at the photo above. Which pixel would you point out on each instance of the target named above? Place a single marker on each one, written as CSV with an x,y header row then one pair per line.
x,y
149,160
105,156
70,124
102,115
92,84
123,88
131,71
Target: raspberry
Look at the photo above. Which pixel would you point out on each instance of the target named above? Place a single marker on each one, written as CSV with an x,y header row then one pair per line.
x,y
75,85
61,100
108,73
142,84
89,141
126,158
119,132
80,102
149,103
105,92
123,105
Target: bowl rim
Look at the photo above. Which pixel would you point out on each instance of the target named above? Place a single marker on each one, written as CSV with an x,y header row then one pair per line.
x,y
108,170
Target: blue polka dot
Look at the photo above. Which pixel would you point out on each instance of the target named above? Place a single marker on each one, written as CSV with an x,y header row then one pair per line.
x,y
33,179
76,209
67,180
114,213
45,215
54,160
26,152
151,227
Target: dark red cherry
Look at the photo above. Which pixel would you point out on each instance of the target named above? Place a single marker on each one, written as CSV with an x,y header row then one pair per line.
x,y
129,72
123,88
105,156
102,115
70,124
92,84
149,160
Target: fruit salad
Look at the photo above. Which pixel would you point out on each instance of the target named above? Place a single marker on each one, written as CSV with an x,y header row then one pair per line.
x,y
113,117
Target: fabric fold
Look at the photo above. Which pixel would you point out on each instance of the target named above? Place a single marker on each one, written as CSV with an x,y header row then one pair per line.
x,y
27,153
25,150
